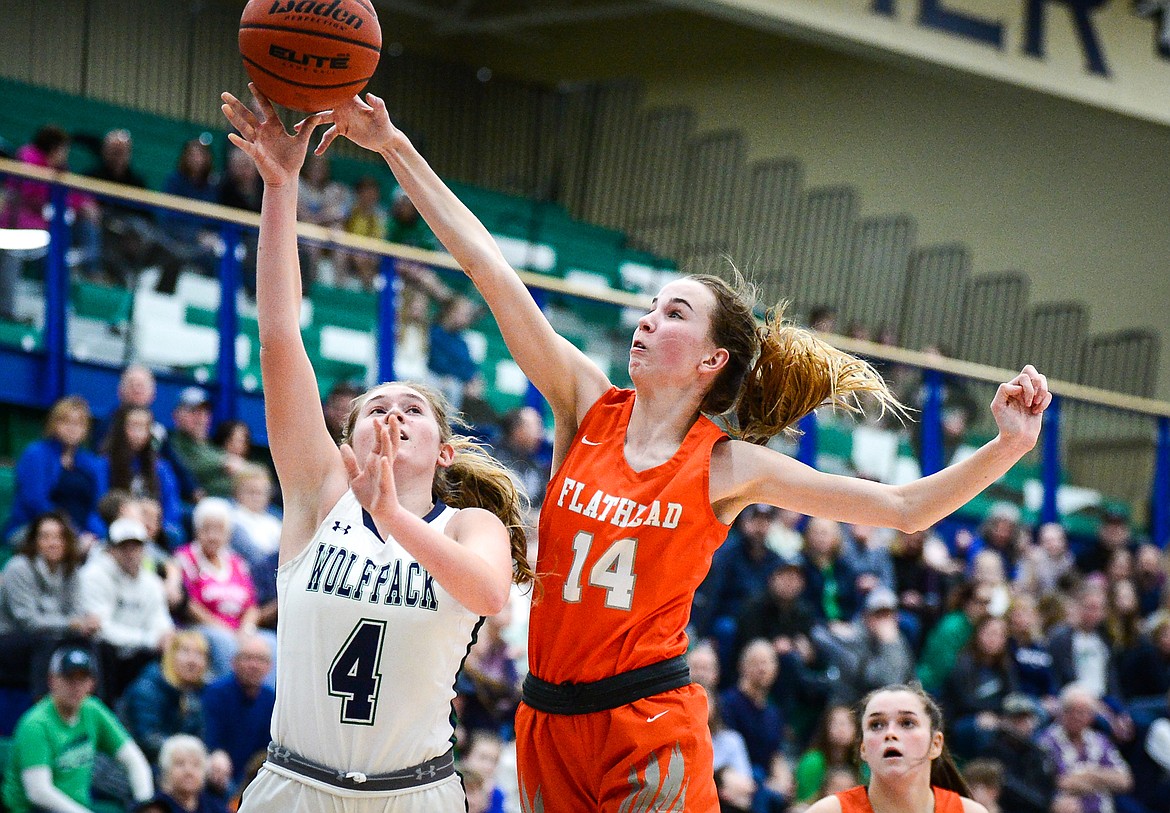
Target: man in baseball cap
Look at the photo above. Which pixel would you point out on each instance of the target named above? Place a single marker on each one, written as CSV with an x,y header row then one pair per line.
x,y
50,766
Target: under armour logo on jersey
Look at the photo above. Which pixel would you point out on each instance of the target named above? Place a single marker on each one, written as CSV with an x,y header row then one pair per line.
x,y
427,773
338,527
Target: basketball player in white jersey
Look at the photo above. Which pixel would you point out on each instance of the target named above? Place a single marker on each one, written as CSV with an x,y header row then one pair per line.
x,y
393,548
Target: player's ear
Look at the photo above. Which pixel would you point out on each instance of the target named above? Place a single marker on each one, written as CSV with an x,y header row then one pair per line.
x,y
716,361
446,455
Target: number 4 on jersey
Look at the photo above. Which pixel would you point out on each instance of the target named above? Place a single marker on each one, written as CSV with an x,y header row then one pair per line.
x,y
354,675
613,571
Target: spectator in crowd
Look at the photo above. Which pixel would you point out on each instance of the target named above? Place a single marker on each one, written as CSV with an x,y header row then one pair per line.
x,y
739,570
233,437
222,596
727,744
866,553
131,240
986,568
1113,534
1029,775
133,464
40,604
1153,787
407,226
1145,672
831,747
56,742
212,467
970,602
183,768
779,614
57,472
703,662
870,652
959,408
974,692
1149,577
491,683
28,200
194,177
255,529
166,698
1119,566
337,406
1048,565
920,584
448,354
477,790
237,711
130,604
367,218
264,580
999,532
985,778
748,708
1089,768
830,585
520,450
240,188
323,202
1123,620
481,758
1029,650
735,790
1081,651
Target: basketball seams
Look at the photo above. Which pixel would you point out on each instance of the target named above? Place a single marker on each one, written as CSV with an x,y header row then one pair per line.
x,y
368,7
309,33
295,83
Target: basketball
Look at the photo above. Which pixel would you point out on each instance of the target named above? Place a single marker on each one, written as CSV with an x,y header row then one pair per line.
x,y
310,55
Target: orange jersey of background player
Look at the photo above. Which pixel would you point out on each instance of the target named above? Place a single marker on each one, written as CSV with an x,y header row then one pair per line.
x,y
621,552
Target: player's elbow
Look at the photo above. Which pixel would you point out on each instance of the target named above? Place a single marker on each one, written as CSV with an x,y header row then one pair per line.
x,y
495,600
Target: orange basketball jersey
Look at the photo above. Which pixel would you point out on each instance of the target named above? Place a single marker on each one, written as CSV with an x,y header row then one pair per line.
x,y
621,552
856,800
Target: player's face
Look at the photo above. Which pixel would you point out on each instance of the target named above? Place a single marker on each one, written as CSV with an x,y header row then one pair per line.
x,y
674,337
409,413
896,737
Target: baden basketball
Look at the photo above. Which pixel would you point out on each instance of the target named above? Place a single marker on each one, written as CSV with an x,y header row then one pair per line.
x,y
310,54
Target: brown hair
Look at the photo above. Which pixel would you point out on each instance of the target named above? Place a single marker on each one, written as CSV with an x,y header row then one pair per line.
x,y
821,742
62,408
474,480
122,457
73,555
777,373
943,771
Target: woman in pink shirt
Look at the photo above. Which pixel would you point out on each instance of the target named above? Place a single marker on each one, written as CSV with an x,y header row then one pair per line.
x,y
221,595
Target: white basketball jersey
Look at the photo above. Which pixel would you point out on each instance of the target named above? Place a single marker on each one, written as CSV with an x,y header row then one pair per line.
x,y
369,648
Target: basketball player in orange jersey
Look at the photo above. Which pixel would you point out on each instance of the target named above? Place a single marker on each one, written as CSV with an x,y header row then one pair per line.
x,y
645,488
911,770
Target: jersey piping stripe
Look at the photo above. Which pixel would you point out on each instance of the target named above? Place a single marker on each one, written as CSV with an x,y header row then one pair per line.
x,y
431,515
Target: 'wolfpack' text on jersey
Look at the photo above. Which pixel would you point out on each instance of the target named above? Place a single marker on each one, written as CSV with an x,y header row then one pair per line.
x,y
369,648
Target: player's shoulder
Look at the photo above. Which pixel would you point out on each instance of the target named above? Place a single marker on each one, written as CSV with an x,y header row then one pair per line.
x,y
829,804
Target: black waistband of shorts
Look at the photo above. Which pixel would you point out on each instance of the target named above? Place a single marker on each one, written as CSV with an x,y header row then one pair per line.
x,y
425,773
607,693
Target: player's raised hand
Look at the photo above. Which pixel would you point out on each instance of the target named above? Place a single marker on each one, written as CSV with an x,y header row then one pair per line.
x,y
1019,405
365,123
372,480
278,155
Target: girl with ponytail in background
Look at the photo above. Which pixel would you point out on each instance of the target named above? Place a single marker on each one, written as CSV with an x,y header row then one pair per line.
x,y
910,769
646,485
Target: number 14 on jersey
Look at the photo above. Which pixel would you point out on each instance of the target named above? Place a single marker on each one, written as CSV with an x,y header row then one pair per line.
x,y
612,572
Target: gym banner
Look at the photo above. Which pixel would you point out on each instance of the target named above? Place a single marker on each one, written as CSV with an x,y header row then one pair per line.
x,y
1111,53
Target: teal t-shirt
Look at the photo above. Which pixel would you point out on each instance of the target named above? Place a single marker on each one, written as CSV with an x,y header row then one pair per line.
x,y
43,738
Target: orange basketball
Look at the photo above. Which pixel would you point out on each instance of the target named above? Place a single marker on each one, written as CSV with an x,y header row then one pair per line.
x,y
310,54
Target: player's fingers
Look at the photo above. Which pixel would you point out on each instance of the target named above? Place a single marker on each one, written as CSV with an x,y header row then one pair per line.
x,y
350,461
326,140
305,127
240,116
375,102
1028,388
243,143
262,102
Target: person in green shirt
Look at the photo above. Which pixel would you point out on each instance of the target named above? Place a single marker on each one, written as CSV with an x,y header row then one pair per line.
x,y
954,629
831,747
50,766
211,467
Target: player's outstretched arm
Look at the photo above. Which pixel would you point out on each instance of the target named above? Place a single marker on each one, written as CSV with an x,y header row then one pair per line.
x,y
743,474
307,461
562,373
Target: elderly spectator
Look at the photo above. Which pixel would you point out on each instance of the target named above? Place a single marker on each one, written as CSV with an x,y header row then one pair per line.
x,y
747,707
167,698
40,604
1089,768
129,601
183,769
237,711
211,466
51,763
58,473
703,661
870,653
222,596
